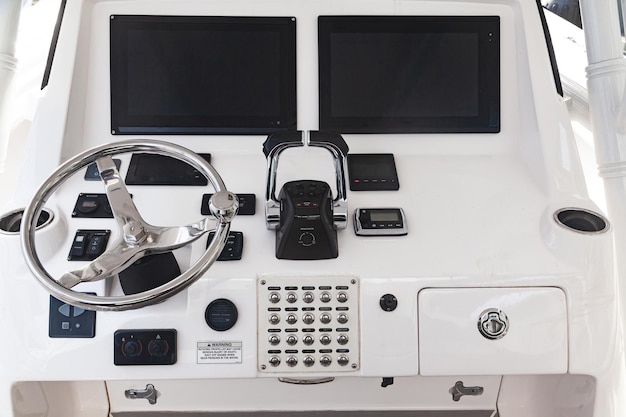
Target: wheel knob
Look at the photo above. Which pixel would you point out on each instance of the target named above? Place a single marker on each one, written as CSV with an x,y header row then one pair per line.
x,y
224,205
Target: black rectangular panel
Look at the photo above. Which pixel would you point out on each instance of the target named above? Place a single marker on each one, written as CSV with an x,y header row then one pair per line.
x,y
202,74
68,321
144,347
409,74
372,172
152,169
247,204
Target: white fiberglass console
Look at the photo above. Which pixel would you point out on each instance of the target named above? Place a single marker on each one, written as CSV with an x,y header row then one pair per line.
x,y
425,247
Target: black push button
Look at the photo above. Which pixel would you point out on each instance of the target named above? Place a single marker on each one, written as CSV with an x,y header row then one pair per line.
x,y
96,245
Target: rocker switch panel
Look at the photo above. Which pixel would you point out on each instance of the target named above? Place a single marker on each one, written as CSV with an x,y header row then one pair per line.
x,y
88,245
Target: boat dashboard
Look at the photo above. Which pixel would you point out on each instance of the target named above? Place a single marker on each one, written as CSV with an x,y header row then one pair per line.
x,y
412,232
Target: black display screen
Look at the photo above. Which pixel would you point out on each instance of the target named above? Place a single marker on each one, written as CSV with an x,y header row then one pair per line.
x,y
372,172
153,169
202,75
384,216
409,74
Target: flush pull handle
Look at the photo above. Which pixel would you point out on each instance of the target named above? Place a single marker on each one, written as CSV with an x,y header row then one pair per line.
x,y
150,394
459,390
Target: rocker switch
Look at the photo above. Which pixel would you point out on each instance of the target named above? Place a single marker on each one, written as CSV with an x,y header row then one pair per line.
x,y
96,245
78,246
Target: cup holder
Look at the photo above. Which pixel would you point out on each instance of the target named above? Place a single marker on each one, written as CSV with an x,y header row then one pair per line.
x,y
581,220
10,222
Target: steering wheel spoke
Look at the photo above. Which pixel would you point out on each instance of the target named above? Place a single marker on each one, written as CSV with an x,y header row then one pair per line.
x,y
122,205
170,238
104,266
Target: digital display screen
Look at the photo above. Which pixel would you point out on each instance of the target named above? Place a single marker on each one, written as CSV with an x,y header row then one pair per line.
x,y
409,74
202,75
372,172
153,169
372,166
384,216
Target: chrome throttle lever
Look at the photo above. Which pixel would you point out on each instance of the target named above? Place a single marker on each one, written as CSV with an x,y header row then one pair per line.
x,y
273,146
337,146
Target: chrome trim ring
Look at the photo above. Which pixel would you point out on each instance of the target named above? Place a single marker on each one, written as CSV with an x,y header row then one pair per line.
x,y
16,216
581,220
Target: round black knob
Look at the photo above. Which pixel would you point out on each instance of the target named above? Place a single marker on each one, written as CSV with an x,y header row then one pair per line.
x,y
388,302
158,348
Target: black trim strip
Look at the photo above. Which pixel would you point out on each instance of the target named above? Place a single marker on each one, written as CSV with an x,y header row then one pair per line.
x,y
546,32
53,45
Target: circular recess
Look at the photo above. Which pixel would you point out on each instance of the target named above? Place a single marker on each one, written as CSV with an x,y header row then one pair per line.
x,y
158,348
581,220
221,314
10,222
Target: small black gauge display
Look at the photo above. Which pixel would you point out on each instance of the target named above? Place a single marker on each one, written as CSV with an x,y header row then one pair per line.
x,y
380,222
373,172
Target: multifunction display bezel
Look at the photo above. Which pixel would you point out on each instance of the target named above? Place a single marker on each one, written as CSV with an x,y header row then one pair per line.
x,y
202,74
409,74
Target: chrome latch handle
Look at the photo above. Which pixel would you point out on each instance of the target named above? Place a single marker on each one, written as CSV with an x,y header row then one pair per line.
x,y
493,324
459,390
150,394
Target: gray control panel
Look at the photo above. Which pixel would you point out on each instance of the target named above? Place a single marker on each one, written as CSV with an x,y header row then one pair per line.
x,y
308,324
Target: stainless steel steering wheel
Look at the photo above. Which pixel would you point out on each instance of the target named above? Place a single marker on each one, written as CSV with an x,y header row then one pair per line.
x,y
137,237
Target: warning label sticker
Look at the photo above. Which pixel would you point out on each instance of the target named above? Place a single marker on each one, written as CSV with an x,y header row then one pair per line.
x,y
219,352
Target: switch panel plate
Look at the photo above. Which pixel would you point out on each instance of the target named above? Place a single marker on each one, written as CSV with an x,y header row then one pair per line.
x,y
88,244
92,173
144,347
67,321
95,206
247,204
308,324
233,249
